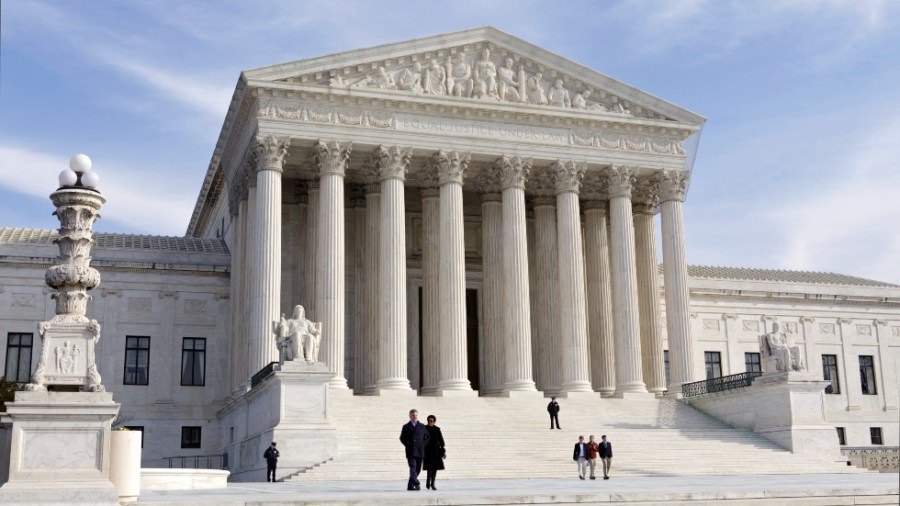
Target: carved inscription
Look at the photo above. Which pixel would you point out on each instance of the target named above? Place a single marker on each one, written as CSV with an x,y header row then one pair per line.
x,y
481,129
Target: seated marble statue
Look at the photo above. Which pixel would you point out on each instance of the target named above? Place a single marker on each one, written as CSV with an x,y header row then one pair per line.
x,y
298,335
778,347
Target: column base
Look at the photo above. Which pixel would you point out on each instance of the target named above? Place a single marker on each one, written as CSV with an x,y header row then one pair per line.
x,y
576,386
457,393
521,394
428,391
394,387
606,392
332,390
631,388
338,383
461,385
519,386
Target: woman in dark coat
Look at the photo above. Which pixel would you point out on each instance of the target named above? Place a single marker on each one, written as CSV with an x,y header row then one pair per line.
x,y
434,452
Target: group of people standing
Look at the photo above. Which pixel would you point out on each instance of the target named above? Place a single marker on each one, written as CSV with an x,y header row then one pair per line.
x,y
586,454
424,448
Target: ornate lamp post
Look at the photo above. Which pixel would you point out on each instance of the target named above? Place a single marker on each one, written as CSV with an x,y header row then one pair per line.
x,y
67,354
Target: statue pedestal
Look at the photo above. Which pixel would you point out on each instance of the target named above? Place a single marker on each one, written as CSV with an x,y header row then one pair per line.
x,y
289,407
67,354
787,408
60,448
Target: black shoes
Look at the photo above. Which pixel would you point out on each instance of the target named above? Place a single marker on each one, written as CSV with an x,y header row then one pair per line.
x,y
581,477
606,477
593,478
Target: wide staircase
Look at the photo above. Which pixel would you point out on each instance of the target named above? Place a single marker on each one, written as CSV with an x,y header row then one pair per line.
x,y
510,438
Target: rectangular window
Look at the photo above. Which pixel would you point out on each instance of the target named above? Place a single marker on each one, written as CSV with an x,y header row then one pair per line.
x,y
752,363
713,364
193,362
867,374
842,437
830,373
137,360
875,433
18,357
138,428
190,437
666,365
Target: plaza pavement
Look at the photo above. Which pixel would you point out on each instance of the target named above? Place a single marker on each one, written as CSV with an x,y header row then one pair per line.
x,y
805,489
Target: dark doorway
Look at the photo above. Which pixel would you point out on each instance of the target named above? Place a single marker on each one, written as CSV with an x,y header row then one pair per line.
x,y
472,337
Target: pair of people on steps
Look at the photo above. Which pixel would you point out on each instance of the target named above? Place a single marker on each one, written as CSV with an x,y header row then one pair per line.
x,y
424,444
586,455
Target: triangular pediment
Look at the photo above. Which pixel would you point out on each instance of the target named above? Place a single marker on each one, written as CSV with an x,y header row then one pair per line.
x,y
482,64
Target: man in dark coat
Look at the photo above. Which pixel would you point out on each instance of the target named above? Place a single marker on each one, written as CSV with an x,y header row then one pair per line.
x,y
414,437
271,455
553,409
605,455
580,456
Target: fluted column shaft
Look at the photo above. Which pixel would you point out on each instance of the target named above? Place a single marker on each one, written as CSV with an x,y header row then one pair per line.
x,y
312,225
550,359
451,169
599,299
516,293
673,185
653,366
573,319
372,276
629,372
492,294
238,266
392,367
266,270
250,280
431,305
331,160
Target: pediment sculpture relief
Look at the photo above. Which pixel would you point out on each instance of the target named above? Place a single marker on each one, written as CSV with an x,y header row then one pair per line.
x,y
484,76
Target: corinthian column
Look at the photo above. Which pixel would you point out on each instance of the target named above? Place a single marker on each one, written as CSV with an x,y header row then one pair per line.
x,y
331,162
492,294
629,377
371,257
599,299
266,267
643,208
431,305
673,186
516,293
451,168
312,224
573,320
392,164
547,296
249,346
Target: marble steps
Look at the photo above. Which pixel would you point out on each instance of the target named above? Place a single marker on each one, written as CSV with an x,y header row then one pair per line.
x,y
651,437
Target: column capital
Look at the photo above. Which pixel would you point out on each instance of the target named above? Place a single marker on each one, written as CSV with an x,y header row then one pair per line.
x,y
621,181
645,197
332,157
450,166
543,201
514,171
391,162
491,197
673,184
567,175
595,205
271,152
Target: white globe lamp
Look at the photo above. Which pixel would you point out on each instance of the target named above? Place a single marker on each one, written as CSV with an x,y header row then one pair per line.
x,y
80,163
68,177
90,179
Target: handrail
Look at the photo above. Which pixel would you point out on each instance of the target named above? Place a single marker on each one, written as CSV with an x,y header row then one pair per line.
x,y
262,374
219,461
720,384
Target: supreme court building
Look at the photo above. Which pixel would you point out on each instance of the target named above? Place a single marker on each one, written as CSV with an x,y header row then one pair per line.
x,y
466,214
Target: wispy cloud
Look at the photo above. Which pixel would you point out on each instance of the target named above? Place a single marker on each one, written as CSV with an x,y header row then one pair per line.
x,y
137,198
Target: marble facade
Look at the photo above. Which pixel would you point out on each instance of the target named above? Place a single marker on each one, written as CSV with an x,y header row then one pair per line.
x,y
466,214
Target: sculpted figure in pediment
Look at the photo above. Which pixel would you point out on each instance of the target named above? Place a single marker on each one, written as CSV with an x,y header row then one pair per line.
x,y
460,82
559,96
485,77
411,79
618,107
581,102
381,79
535,89
435,79
507,83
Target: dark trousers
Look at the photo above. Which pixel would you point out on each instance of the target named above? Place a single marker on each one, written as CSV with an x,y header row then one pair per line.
x,y
556,419
415,467
430,475
270,471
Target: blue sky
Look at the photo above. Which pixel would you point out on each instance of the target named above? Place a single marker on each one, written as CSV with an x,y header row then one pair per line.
x,y
798,167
